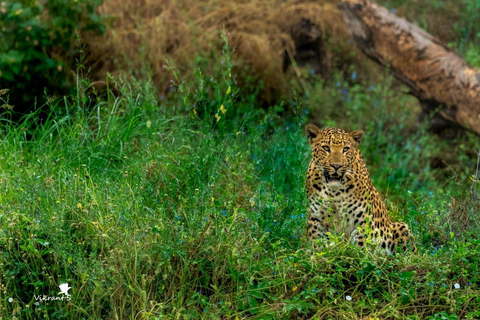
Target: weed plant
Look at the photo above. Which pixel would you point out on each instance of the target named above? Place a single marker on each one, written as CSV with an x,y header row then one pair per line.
x,y
195,208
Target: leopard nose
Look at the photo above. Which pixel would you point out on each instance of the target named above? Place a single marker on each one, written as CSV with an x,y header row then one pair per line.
x,y
336,166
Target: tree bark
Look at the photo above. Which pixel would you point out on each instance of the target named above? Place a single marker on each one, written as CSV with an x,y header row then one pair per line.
x,y
438,77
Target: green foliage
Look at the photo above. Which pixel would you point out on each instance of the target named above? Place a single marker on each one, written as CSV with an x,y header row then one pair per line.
x,y
183,209
443,316
469,25
37,44
472,56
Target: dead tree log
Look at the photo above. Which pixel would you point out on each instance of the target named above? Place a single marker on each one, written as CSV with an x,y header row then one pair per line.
x,y
437,76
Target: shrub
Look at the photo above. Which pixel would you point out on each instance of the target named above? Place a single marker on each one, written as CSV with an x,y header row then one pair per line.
x,y
37,44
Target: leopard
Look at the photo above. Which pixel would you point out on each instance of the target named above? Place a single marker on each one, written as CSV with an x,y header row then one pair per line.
x,y
342,197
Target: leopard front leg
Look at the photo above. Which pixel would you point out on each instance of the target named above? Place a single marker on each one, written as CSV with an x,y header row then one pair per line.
x,y
359,238
355,216
317,226
357,235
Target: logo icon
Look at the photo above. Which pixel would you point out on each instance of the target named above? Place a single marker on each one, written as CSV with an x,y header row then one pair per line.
x,y
64,289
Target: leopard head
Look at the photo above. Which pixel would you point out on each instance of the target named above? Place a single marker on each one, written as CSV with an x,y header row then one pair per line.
x,y
334,151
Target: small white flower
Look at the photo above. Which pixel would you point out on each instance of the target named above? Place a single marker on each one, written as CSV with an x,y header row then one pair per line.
x,y
332,244
348,298
37,303
457,286
10,300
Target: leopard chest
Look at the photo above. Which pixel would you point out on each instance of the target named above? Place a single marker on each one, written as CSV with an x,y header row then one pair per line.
x,y
338,208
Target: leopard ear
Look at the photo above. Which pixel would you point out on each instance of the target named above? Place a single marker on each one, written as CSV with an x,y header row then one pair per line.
x,y
312,132
357,135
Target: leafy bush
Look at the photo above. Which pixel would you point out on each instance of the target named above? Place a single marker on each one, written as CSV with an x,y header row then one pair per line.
x,y
37,44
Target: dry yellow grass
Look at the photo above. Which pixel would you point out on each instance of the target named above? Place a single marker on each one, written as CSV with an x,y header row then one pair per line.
x,y
148,32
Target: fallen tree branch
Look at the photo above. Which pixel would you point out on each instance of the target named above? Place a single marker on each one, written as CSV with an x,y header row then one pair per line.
x,y
437,76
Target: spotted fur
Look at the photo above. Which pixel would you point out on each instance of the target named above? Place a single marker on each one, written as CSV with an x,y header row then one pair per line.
x,y
342,196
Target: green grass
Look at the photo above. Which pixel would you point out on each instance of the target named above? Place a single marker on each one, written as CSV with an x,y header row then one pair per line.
x,y
154,209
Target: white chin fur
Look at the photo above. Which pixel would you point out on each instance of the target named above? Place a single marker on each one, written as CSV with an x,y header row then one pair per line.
x,y
334,183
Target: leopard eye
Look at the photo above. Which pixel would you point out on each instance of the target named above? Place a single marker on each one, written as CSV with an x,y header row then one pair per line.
x,y
326,148
346,149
